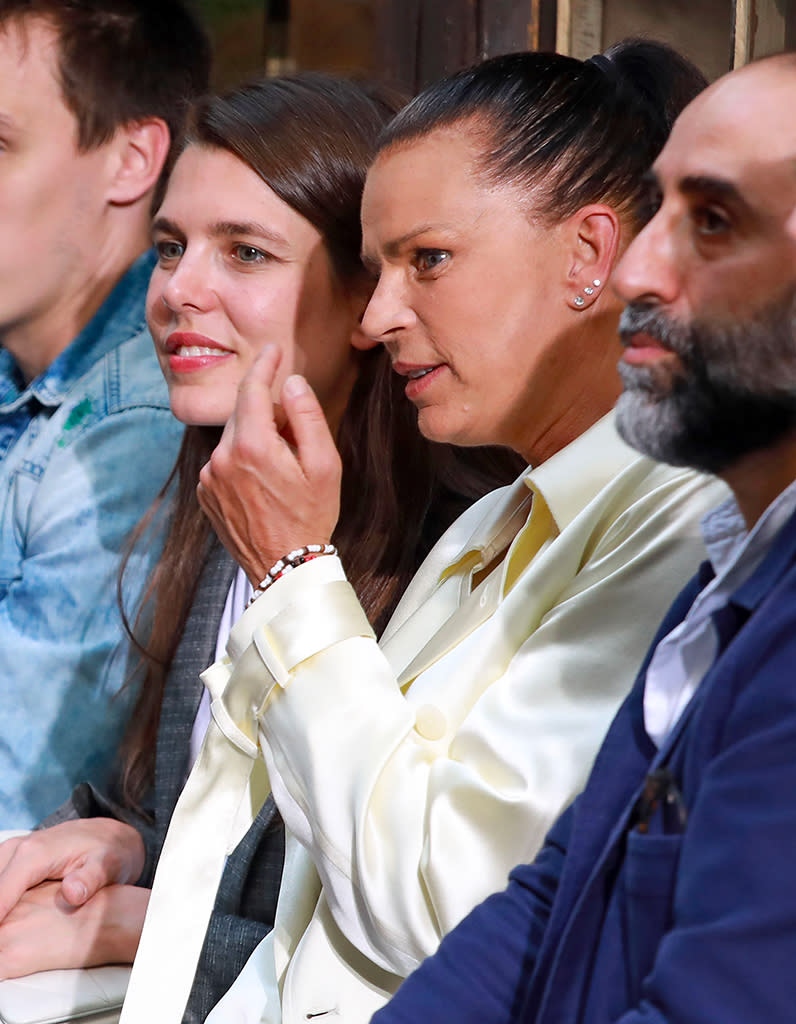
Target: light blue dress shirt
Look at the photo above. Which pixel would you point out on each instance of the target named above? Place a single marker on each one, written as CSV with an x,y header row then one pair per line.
x,y
84,449
683,658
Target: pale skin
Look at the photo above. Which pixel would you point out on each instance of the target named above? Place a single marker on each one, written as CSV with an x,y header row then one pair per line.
x,y
78,217
241,274
67,897
268,499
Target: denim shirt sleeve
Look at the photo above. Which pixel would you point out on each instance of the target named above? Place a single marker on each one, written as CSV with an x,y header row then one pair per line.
x,y
89,473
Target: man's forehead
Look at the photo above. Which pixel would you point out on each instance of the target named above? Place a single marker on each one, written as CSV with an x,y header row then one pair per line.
x,y
30,85
739,130
29,40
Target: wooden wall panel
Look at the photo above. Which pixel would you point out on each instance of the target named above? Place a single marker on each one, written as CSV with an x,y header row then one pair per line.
x,y
397,26
447,38
237,29
507,25
580,28
763,27
419,41
334,36
701,29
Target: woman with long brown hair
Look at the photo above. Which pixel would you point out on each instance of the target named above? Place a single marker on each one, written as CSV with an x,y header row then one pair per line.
x,y
258,244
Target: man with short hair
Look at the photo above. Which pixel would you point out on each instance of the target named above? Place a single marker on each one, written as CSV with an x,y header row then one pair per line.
x,y
92,95
664,895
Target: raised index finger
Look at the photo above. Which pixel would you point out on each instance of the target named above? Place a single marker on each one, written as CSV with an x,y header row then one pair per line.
x,y
316,450
254,409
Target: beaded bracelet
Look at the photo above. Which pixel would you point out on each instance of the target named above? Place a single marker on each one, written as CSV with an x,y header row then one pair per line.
x,y
289,562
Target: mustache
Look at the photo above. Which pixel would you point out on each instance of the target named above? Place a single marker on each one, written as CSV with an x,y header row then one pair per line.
x,y
639,319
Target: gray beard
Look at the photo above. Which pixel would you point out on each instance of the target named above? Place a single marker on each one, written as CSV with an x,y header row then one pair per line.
x,y
734,394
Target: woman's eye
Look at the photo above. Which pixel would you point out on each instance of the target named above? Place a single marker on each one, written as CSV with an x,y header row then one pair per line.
x,y
249,254
430,259
168,250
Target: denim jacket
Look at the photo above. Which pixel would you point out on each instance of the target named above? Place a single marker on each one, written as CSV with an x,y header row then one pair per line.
x,y
84,449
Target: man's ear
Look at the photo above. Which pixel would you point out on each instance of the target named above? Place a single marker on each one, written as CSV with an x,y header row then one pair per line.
x,y
139,152
594,236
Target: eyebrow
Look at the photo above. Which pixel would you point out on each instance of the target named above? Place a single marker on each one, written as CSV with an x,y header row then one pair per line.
x,y
393,247
702,184
225,229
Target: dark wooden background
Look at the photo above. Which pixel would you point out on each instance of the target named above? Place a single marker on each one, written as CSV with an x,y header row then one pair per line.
x,y
420,40
405,42
409,43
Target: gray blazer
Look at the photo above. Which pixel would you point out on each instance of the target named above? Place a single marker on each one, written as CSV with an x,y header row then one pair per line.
x,y
246,900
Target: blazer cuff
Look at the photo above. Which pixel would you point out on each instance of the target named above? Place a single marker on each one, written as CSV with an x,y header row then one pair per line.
x,y
302,614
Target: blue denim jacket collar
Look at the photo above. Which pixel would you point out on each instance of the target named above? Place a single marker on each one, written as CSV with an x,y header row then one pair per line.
x,y
122,308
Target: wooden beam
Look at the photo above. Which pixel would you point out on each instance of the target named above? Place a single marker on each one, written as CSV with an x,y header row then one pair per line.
x,y
761,28
579,30
506,26
397,28
448,38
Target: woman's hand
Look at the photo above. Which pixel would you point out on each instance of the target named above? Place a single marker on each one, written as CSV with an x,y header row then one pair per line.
x,y
266,495
44,933
83,856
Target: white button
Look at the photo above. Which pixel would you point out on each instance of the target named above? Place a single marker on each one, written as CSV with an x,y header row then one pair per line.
x,y
430,722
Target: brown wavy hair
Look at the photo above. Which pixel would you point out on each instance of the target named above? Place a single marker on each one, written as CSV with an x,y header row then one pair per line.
x,y
310,137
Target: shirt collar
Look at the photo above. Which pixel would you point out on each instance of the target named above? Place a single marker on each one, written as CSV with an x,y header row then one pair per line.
x,y
572,478
567,481
735,552
120,316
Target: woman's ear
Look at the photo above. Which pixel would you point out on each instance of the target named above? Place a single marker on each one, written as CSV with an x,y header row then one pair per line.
x,y
595,234
139,152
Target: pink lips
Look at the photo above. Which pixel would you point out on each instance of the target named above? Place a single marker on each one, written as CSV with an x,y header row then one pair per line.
x,y
417,385
189,352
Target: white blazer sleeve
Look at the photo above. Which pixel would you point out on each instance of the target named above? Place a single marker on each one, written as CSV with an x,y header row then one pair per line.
x,y
414,805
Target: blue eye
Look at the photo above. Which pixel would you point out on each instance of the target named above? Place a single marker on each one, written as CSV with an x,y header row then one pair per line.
x,y
168,250
430,259
249,254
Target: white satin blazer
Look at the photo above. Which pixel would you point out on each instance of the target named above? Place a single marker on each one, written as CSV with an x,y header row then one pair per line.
x,y
412,776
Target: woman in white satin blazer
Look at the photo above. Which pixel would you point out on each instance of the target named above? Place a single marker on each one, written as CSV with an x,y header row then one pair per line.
x,y
413,775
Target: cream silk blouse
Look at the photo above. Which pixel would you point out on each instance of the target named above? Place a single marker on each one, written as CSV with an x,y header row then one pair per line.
x,y
414,774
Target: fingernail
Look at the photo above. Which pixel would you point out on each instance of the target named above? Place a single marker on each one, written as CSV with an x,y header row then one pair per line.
x,y
295,385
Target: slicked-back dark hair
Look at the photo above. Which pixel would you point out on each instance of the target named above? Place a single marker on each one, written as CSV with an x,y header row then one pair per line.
x,y
575,132
120,61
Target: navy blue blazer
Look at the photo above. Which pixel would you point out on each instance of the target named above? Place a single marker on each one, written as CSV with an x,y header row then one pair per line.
x,y
661,920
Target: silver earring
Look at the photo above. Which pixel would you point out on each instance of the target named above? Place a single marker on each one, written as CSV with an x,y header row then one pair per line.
x,y
579,301
588,290
596,282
